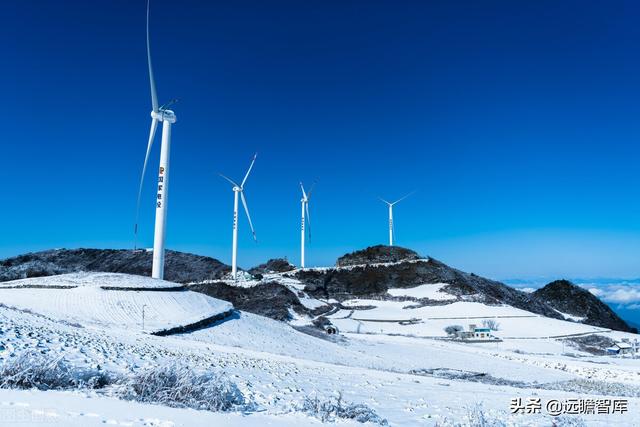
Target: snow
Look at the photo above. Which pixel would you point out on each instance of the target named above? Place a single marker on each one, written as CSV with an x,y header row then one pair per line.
x,y
89,304
571,317
275,365
96,280
431,320
33,408
431,291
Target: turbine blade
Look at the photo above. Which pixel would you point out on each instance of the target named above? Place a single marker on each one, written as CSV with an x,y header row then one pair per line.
x,y
230,180
152,82
384,201
306,206
311,190
304,195
404,197
246,209
249,171
152,134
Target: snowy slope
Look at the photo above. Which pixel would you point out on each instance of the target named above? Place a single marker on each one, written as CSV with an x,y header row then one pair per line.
x,y
96,280
277,383
384,318
276,366
431,291
87,303
32,408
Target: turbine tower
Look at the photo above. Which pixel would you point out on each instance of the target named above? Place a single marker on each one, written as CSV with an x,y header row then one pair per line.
x,y
239,190
167,117
305,208
390,204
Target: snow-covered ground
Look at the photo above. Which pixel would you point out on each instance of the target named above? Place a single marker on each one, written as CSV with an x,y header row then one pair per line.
x,y
392,317
407,380
81,298
95,280
430,291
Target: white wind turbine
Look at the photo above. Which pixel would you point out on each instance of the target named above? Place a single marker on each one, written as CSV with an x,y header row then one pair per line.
x,y
390,204
239,190
167,117
305,208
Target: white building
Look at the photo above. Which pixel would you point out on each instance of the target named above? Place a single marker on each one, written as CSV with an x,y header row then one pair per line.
x,y
621,348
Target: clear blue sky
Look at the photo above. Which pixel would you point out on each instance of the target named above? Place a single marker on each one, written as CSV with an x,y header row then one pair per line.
x,y
517,122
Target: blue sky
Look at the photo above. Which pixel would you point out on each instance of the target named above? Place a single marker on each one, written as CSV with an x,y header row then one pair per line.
x,y
517,124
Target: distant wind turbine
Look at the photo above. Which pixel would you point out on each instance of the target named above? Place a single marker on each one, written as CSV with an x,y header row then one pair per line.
x,y
305,208
390,204
167,117
239,190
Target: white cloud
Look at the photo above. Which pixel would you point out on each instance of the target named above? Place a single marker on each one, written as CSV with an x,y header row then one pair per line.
x,y
597,292
616,293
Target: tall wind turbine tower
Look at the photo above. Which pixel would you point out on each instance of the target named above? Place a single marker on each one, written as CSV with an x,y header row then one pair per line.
x,y
239,190
390,205
305,208
167,117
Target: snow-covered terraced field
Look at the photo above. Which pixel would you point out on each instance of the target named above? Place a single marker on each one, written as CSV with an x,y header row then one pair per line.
x,y
89,304
97,280
385,318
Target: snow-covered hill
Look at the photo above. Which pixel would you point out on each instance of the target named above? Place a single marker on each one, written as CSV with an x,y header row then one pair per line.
x,y
392,355
112,300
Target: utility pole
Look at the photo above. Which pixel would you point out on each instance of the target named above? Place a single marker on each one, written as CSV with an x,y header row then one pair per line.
x,y
143,307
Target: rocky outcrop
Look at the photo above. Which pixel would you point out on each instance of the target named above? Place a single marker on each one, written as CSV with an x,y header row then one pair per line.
x,y
276,265
376,255
180,267
375,280
568,298
266,299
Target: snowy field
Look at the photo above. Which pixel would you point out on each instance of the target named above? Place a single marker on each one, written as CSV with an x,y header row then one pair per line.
x,y
82,299
95,280
432,291
430,321
406,380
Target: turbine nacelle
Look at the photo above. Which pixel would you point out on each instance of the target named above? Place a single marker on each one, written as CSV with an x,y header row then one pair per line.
x,y
164,116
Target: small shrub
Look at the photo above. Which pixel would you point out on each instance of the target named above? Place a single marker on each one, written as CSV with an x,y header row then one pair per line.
x,y
178,386
333,408
453,329
491,324
476,416
32,369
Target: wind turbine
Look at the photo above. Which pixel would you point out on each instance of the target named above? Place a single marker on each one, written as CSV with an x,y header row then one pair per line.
x,y
305,208
239,190
167,117
390,204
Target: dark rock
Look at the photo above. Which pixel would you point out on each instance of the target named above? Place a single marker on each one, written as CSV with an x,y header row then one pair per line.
x,y
377,254
568,298
266,299
375,280
276,265
179,266
593,344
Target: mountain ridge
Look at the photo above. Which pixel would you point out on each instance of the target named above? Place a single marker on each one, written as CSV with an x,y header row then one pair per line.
x,y
369,272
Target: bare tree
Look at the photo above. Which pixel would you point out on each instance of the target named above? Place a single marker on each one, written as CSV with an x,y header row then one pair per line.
x,y
453,329
491,324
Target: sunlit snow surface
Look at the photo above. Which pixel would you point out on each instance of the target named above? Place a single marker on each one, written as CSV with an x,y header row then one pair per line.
x,y
276,366
87,303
